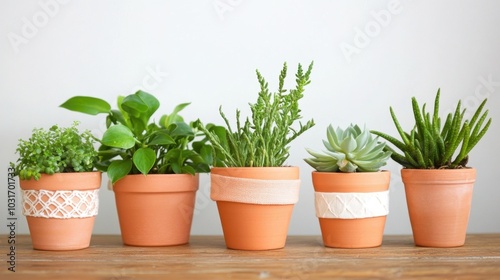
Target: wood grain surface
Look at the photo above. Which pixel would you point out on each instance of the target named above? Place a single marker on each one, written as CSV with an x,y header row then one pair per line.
x,y
304,257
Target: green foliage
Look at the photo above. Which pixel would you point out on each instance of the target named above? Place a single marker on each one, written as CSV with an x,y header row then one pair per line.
x,y
349,150
132,144
55,150
431,145
263,139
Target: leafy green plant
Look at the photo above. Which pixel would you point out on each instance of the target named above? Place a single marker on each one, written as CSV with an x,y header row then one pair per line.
x,y
349,150
434,145
263,139
132,144
55,150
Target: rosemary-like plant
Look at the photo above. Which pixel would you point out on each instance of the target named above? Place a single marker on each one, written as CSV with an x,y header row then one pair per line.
x,y
432,146
262,140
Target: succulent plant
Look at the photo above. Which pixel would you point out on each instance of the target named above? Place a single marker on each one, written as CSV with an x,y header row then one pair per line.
x,y
432,146
349,150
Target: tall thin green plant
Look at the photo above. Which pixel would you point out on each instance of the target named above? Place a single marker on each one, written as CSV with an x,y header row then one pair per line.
x,y
263,139
432,144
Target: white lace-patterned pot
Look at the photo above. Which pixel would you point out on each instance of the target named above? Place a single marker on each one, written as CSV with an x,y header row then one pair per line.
x,y
352,207
61,209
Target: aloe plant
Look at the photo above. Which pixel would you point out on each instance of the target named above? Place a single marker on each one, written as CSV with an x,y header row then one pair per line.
x,y
349,150
432,144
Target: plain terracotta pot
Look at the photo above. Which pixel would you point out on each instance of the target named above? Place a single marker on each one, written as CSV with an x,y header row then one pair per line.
x,y
156,209
255,226
352,233
58,234
439,203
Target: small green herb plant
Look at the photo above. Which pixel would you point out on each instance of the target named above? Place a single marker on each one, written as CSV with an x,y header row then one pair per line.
x,y
262,140
133,144
350,150
55,150
432,144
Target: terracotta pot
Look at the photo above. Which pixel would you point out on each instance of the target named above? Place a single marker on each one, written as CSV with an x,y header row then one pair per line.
x,y
60,209
156,209
351,207
439,203
255,226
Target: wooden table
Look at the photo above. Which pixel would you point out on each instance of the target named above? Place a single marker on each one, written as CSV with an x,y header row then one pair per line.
x,y
304,257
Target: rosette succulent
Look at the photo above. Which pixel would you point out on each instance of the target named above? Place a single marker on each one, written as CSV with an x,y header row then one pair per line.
x,y
349,150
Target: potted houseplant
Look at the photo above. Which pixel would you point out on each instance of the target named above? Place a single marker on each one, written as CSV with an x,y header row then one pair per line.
x,y
153,168
59,186
254,190
438,182
351,193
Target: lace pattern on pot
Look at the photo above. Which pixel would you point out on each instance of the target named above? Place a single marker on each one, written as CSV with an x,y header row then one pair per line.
x,y
254,191
60,204
351,205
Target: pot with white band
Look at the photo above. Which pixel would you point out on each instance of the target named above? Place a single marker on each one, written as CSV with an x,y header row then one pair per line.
x,y
254,189
255,204
351,193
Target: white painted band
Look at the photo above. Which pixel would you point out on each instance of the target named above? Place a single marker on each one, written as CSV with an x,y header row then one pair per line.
x,y
351,205
254,191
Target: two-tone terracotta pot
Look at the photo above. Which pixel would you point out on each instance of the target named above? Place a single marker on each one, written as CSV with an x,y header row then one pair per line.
x,y
156,209
255,204
60,209
439,203
351,207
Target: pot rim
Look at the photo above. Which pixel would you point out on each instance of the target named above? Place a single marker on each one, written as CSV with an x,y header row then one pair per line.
x,y
157,183
439,176
64,181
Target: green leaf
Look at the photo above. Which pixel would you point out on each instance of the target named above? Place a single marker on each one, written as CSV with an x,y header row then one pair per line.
x,y
333,140
348,144
140,106
86,104
188,170
161,139
180,129
400,130
177,168
118,136
206,154
173,155
139,103
118,169
134,105
117,116
465,143
173,117
144,159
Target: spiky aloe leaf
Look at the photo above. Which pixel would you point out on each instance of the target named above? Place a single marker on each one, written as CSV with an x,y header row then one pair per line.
x,y
429,146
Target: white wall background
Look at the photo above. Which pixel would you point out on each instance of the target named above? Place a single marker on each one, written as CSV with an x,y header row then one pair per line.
x,y
207,51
